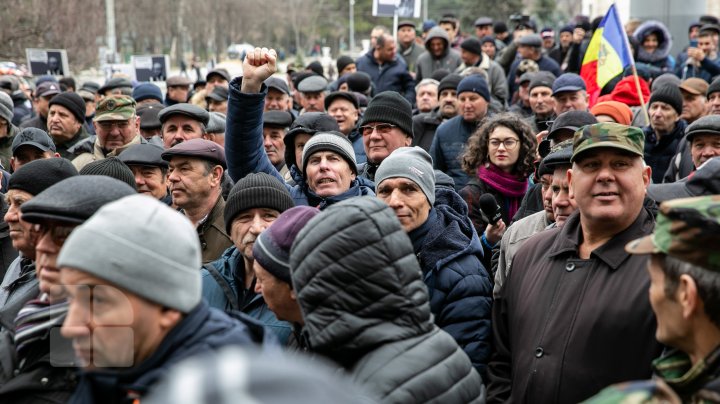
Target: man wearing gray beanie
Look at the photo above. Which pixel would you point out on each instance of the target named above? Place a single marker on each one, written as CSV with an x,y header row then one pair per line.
x,y
665,132
452,135
134,266
448,250
327,159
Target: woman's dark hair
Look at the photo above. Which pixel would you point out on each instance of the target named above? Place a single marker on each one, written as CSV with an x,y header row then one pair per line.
x,y
476,152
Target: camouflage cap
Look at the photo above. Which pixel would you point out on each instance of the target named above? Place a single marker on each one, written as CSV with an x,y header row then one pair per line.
x,y
701,216
115,108
615,135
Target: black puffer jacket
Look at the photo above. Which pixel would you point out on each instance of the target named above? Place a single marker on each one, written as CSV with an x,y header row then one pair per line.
x,y
365,306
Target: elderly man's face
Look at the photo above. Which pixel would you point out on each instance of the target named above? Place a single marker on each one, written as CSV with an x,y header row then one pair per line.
x,y
179,128
570,101
328,174
448,103
313,102
344,113
473,106
149,180
714,103
276,100
51,237
114,134
217,106
61,123
663,117
21,232
273,143
27,153
278,295
111,327
562,204
406,35
609,187
541,101
704,147
178,93
381,139
248,225
190,181
693,106
405,197
426,98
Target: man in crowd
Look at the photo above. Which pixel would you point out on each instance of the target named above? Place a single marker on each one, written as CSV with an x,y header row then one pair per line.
x,y
116,86
522,105
170,320
541,349
702,60
410,50
117,128
42,95
253,204
195,173
8,131
182,122
425,125
275,126
150,170
472,56
438,55
29,145
529,48
426,96
217,100
66,118
344,107
701,143
452,135
447,248
570,93
694,101
387,71
666,130
147,93
150,126
541,101
278,95
312,90
178,90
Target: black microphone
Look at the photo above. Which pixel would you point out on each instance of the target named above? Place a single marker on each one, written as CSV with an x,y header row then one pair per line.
x,y
489,209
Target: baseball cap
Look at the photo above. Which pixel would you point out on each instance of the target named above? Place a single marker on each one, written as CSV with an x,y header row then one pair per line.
x,y
33,137
606,134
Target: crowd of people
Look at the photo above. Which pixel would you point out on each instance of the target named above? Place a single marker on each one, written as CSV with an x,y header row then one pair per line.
x,y
453,219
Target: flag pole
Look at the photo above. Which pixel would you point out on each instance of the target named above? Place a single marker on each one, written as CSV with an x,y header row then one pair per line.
x,y
634,70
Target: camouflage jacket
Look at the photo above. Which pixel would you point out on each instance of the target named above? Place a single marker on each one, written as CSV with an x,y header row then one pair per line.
x,y
676,380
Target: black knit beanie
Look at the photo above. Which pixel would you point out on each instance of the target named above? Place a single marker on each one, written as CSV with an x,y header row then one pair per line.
x,y
669,94
714,87
390,107
38,175
73,102
112,167
343,61
256,190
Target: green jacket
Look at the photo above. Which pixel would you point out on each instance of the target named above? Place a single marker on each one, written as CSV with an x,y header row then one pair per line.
x,y
213,238
6,146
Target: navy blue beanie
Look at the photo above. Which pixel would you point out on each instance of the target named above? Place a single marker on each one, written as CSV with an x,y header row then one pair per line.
x,y
475,83
147,91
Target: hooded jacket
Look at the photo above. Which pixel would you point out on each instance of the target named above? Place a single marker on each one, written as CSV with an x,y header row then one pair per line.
x,y
245,153
660,60
427,63
390,76
659,151
375,321
203,329
450,256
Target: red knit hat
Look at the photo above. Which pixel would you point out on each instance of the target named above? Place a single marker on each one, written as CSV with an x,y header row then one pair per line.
x,y
626,92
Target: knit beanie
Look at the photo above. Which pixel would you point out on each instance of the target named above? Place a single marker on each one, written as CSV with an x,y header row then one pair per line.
x,y
73,102
74,199
412,163
143,246
390,107
6,107
472,45
38,175
329,141
664,80
618,111
256,190
112,167
714,87
272,247
359,82
147,91
669,94
475,83
343,61
449,82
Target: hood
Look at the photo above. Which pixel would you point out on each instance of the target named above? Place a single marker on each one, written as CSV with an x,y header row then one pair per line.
x,y
357,280
451,234
437,32
664,41
625,91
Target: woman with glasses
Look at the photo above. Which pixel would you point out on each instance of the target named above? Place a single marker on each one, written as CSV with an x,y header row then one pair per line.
x,y
499,157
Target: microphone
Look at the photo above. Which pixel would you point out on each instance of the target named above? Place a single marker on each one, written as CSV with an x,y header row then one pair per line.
x,y
489,209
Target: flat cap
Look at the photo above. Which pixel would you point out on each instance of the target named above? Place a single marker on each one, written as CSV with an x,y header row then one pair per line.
x,y
530,40
483,21
216,123
177,81
313,84
148,114
277,84
694,86
341,95
218,72
281,119
542,79
198,148
47,88
189,110
707,125
116,82
115,108
614,135
406,23
219,93
143,154
559,155
568,82
572,120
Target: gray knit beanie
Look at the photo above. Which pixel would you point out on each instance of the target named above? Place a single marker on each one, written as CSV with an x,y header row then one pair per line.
x,y
412,163
111,167
256,190
6,107
329,141
390,107
141,245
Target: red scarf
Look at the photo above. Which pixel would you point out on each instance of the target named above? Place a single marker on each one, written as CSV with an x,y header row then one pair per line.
x,y
511,186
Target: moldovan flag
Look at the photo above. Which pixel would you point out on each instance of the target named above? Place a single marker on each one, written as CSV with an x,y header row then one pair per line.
x,y
607,54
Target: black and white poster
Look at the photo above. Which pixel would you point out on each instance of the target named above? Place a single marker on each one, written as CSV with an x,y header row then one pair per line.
x,y
405,8
151,67
47,61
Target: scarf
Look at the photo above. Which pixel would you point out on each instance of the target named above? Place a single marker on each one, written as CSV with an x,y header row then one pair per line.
x,y
35,320
511,186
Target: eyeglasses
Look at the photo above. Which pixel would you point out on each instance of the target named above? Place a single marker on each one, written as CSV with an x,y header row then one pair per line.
x,y
381,128
508,143
58,233
107,125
